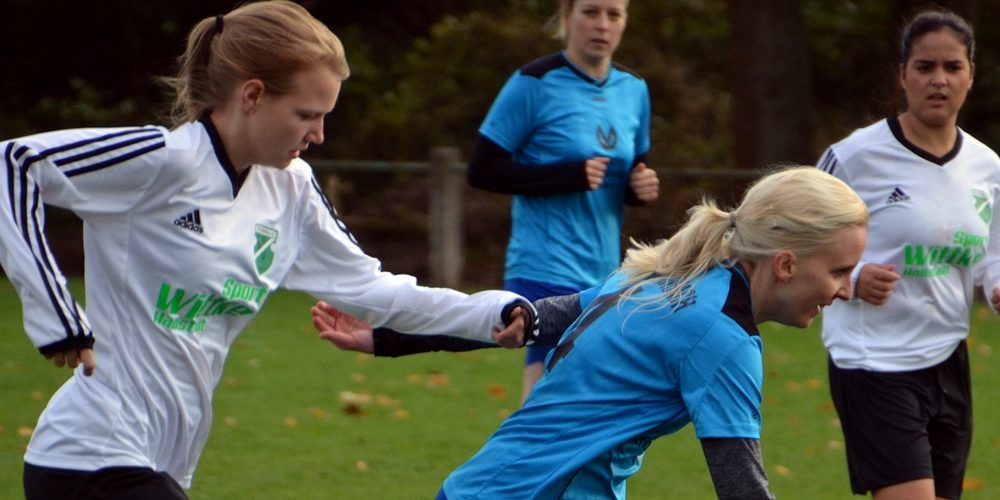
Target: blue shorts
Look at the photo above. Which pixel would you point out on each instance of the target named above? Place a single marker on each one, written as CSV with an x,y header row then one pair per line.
x,y
534,290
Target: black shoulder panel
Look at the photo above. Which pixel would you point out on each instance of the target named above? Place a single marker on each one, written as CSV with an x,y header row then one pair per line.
x,y
544,64
626,69
738,306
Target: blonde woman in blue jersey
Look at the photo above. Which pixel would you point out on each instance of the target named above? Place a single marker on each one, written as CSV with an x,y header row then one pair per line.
x,y
568,137
669,339
899,367
186,233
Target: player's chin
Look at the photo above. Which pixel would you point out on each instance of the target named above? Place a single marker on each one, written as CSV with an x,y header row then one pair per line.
x,y
804,320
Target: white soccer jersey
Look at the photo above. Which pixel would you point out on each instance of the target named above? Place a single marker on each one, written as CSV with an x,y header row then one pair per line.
x,y
936,220
180,256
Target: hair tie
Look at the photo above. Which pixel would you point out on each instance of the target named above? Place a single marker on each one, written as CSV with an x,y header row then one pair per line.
x,y
732,220
218,23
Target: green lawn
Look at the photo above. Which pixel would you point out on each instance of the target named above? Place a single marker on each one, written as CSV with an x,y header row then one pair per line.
x,y
297,419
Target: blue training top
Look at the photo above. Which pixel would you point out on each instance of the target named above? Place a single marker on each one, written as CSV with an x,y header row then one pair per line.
x,y
625,373
549,112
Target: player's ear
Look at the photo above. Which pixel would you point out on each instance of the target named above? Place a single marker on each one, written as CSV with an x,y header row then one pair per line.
x,y
251,91
783,264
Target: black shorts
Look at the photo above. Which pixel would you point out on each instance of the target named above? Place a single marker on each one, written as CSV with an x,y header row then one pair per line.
x,y
904,426
112,483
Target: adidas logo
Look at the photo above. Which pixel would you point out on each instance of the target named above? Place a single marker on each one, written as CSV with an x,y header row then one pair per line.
x,y
190,221
897,196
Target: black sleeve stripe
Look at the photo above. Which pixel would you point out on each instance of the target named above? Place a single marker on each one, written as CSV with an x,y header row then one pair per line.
x,y
116,160
60,298
10,159
92,140
597,308
333,212
829,162
18,193
110,147
146,135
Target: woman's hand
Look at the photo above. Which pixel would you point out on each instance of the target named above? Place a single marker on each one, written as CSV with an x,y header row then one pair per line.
x,y
595,168
343,330
876,283
74,358
644,183
516,331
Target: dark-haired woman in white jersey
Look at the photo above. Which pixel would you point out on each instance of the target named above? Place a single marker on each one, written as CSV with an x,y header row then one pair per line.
x,y
899,369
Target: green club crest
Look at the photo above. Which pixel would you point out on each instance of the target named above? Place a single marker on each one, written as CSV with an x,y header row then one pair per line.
x,y
263,250
983,206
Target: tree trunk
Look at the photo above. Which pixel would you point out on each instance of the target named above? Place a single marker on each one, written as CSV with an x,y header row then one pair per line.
x,y
772,120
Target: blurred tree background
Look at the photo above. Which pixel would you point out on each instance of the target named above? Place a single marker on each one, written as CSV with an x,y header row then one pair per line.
x,y
734,85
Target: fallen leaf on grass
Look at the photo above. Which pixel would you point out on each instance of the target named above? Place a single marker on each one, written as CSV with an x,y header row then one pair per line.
x,y
254,363
415,378
401,415
814,383
359,378
24,431
779,357
352,409
385,401
983,314
782,471
37,395
318,413
973,483
230,421
984,350
290,422
792,386
356,398
361,465
497,391
436,379
794,420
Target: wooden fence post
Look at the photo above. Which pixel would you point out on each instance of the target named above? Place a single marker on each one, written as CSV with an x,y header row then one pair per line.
x,y
446,181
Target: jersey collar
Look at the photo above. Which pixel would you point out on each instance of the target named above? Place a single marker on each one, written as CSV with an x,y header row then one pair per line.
x,y
897,132
583,74
220,153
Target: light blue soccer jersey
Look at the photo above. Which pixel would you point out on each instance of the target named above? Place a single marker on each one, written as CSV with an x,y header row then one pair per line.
x,y
549,112
623,375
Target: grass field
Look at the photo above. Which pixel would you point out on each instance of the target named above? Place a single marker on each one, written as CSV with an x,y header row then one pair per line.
x,y
297,419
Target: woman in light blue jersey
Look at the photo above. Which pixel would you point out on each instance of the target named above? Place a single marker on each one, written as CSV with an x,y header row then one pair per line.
x,y
568,137
669,339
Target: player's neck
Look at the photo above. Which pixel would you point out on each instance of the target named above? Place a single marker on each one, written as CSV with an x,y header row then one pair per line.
x,y
594,68
231,140
937,140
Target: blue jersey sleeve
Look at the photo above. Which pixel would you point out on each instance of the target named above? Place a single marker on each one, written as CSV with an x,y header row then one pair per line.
x,y
642,143
587,296
511,117
723,394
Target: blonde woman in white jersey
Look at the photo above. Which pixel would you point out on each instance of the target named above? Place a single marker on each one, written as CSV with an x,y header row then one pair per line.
x,y
186,232
899,370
